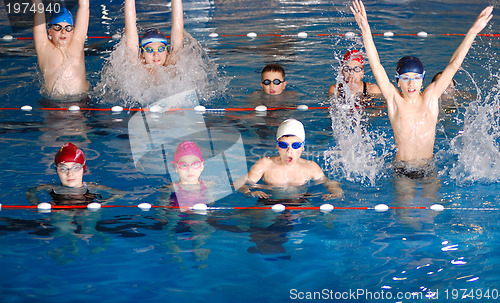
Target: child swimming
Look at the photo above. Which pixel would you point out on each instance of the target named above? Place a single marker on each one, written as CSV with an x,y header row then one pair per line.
x,y
153,50
60,53
287,170
189,190
351,84
70,166
413,114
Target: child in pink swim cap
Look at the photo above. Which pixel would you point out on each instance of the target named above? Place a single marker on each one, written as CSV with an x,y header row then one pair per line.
x,y
189,165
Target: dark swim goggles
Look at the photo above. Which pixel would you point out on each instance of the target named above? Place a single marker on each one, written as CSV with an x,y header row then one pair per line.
x,y
275,82
295,145
59,27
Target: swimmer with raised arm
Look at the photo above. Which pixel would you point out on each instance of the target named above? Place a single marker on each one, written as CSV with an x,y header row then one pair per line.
x,y
153,49
288,169
413,114
60,52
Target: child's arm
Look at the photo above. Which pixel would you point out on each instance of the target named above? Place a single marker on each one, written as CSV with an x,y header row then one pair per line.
x,y
40,35
82,23
253,176
385,85
131,27
177,31
318,176
438,87
32,193
113,193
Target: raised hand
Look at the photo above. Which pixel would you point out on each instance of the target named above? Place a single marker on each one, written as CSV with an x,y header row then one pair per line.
x,y
359,12
483,19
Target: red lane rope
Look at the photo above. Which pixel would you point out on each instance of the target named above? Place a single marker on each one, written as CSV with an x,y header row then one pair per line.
x,y
289,35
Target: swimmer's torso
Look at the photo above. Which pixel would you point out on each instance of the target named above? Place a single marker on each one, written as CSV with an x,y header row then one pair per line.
x,y
414,128
64,71
278,174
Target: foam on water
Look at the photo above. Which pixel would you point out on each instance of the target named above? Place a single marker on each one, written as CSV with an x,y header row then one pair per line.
x,y
477,148
122,79
357,154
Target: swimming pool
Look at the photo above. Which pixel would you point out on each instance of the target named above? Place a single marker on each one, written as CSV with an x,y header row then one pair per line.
x,y
124,254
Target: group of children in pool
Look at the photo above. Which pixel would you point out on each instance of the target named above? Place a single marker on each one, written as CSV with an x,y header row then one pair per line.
x,y
413,114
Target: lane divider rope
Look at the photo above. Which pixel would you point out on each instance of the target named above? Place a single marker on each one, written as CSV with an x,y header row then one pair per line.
x,y
421,34
44,206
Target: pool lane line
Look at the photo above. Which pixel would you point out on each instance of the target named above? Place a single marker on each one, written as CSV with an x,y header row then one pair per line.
x,y
275,207
120,109
304,35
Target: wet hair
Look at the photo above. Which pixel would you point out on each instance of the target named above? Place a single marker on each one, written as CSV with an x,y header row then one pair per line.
x,y
436,76
273,67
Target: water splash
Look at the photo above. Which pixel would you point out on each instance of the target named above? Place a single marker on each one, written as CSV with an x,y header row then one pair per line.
x,y
122,79
477,148
358,154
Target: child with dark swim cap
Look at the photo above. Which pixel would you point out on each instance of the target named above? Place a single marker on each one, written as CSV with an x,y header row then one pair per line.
x,y
153,49
287,170
189,165
60,53
70,165
413,114
353,70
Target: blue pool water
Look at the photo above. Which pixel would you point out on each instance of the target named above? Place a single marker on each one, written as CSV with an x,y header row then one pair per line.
x,y
127,255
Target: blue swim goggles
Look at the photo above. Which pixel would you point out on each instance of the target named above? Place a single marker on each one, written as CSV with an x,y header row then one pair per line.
x,y
295,145
406,78
151,50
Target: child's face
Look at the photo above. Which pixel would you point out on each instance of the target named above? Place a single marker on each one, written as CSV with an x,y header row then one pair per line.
x,y
289,155
156,57
62,37
70,174
273,89
353,72
189,169
412,87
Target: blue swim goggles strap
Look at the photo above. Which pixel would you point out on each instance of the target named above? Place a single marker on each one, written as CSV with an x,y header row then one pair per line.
x,y
405,78
295,145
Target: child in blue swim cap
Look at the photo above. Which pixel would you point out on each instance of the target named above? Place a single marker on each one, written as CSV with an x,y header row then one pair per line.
x,y
60,51
413,114
152,48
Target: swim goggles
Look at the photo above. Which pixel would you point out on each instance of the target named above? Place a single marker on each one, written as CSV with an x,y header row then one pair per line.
x,y
275,82
295,145
356,69
406,78
64,169
184,165
59,27
151,50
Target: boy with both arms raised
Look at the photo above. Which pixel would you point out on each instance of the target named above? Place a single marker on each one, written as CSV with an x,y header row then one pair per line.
x,y
413,114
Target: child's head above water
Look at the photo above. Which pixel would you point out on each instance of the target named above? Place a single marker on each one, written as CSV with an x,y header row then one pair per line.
x,y
273,79
352,65
410,74
188,162
70,165
154,47
61,27
290,140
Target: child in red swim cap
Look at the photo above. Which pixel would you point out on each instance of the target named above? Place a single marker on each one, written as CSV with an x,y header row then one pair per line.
x,y
351,84
70,165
